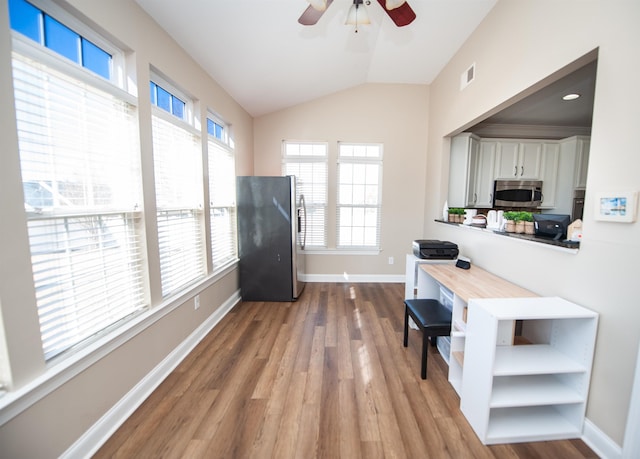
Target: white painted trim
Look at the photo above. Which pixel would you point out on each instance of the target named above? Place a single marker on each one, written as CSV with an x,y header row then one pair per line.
x,y
631,442
599,442
356,278
100,432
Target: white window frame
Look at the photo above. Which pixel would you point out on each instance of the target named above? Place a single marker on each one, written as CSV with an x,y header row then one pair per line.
x,y
127,209
315,200
227,137
224,244
181,221
190,118
361,157
118,58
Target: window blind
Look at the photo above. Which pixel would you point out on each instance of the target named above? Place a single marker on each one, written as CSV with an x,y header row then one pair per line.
x,y
178,179
80,168
359,196
308,162
222,197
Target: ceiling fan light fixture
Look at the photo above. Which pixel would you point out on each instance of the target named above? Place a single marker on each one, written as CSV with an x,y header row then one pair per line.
x,y
357,15
319,5
393,4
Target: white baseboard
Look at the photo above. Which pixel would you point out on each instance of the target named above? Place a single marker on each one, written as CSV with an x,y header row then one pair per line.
x,y
356,278
100,432
599,442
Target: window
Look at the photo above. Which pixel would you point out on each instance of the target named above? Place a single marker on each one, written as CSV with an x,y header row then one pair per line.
x,y
40,27
177,153
217,130
222,195
359,195
79,159
308,162
162,98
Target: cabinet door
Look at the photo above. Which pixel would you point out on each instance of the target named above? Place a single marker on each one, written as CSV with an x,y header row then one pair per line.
x,y
507,160
582,162
528,166
474,147
549,174
484,175
461,169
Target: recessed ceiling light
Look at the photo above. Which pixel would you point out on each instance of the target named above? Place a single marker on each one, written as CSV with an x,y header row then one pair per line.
x,y
571,96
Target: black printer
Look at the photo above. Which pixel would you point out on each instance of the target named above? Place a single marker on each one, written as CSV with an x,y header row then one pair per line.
x,y
434,249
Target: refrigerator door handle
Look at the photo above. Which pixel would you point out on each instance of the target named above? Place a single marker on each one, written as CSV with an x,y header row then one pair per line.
x,y
302,222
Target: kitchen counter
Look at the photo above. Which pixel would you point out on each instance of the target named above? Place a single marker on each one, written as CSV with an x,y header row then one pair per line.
x,y
526,237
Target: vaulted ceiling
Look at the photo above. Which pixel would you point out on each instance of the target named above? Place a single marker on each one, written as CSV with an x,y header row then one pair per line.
x,y
259,53
266,60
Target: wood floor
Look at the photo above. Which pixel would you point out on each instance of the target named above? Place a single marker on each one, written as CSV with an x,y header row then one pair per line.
x,y
326,376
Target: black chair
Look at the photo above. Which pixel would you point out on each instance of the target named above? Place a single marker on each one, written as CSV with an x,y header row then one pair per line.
x,y
432,318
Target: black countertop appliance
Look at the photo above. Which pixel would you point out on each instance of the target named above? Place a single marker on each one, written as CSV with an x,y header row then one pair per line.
x,y
434,249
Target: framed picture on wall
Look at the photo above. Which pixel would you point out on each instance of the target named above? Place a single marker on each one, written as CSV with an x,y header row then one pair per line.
x,y
616,207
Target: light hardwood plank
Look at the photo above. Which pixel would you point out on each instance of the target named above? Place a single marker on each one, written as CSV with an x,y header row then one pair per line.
x,y
326,376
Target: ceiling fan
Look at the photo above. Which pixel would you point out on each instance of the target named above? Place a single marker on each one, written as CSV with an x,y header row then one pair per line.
x,y
398,10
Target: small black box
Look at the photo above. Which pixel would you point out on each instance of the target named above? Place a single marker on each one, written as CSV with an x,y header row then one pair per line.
x,y
434,249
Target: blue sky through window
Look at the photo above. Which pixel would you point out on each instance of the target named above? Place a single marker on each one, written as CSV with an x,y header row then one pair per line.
x,y
163,99
45,30
61,39
96,59
177,107
26,19
215,129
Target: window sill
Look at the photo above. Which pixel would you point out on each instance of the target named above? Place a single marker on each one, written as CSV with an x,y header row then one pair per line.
x,y
563,246
375,251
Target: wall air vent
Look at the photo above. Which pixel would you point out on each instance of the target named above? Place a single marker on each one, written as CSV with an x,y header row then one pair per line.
x,y
467,76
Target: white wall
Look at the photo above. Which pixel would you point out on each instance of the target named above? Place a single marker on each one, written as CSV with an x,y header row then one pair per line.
x,y
520,43
394,115
57,414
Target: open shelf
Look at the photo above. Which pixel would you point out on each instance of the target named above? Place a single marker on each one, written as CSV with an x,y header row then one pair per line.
x,y
532,392
533,359
523,424
512,391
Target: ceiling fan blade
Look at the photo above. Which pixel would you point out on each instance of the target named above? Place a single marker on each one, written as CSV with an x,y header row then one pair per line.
x,y
310,16
402,15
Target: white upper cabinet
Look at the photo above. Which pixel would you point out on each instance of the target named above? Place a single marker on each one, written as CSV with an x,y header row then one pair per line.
x,y
582,161
484,176
518,160
549,174
462,168
475,164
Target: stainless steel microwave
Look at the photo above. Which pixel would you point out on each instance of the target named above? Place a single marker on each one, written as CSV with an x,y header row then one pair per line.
x,y
517,193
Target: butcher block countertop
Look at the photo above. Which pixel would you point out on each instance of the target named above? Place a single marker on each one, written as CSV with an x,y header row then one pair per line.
x,y
474,282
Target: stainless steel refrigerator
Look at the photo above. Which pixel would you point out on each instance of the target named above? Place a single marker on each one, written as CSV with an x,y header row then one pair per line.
x,y
271,238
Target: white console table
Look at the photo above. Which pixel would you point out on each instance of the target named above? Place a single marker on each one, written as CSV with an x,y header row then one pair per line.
x,y
513,389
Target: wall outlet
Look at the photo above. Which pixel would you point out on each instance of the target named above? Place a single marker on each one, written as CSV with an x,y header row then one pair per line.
x,y
196,301
391,261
